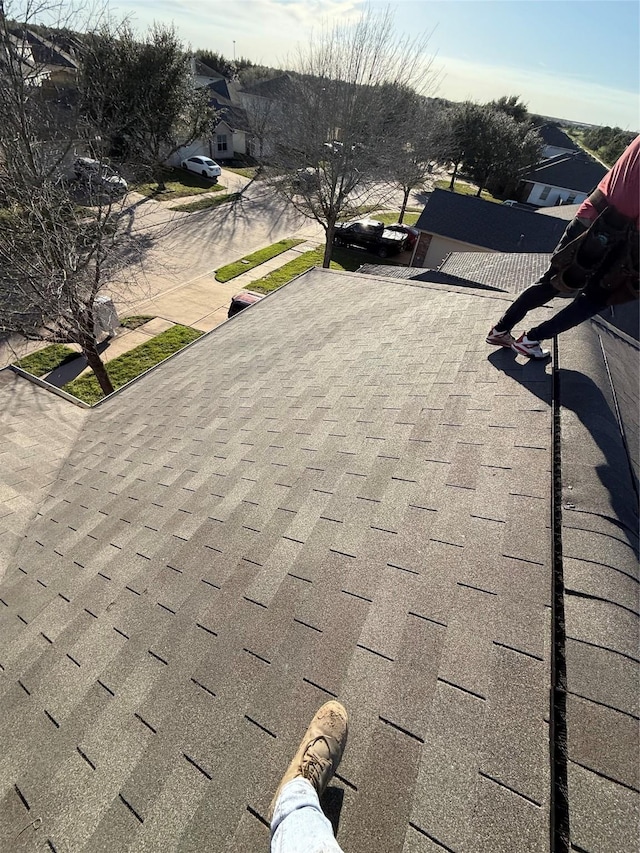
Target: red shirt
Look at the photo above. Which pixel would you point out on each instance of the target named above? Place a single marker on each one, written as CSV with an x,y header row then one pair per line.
x,y
620,186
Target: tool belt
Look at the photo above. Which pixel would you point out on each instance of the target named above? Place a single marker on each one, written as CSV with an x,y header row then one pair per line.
x,y
604,257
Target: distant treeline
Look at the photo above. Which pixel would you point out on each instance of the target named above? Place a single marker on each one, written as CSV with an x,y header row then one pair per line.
x,y
607,142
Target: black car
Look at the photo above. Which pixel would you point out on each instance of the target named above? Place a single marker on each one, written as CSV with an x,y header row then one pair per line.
x,y
371,235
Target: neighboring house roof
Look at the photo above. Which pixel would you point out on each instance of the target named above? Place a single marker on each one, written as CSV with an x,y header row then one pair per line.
x,y
275,87
45,51
553,135
340,492
419,274
512,271
489,225
577,172
235,117
226,89
561,211
201,69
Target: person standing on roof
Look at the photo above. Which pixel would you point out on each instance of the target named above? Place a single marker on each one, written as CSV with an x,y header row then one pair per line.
x,y
596,261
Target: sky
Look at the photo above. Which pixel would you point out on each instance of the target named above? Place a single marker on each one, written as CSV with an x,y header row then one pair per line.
x,y
571,59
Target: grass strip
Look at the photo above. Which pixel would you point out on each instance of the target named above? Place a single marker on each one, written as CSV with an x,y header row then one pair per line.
x,y
341,259
178,183
466,189
251,172
45,360
410,218
204,203
130,364
229,271
136,320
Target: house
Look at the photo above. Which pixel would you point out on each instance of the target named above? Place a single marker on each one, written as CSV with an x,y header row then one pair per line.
x,y
341,492
229,137
452,222
563,179
555,140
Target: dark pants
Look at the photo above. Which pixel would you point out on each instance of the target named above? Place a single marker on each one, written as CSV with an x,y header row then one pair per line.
x,y
585,305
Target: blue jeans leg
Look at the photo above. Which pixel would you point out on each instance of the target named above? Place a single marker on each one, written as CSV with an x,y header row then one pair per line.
x,y
299,825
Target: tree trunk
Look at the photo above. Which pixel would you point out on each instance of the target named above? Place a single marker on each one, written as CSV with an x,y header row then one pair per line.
x,y
453,177
404,204
329,244
90,352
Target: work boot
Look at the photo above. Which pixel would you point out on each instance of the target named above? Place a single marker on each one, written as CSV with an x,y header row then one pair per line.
x,y
320,750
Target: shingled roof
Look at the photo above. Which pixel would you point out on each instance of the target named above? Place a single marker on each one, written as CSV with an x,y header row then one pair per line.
x,y
489,225
513,271
577,172
553,135
354,504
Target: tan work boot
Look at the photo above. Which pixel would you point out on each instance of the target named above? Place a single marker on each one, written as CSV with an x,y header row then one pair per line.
x,y
320,750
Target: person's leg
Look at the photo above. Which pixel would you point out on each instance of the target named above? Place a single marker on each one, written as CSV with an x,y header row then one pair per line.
x,y
299,825
297,822
582,308
535,296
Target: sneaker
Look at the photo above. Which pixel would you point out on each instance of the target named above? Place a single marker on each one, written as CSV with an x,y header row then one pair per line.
x,y
532,349
500,339
320,750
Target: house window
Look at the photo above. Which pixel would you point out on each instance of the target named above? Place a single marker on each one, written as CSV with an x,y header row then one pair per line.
x,y
221,141
545,192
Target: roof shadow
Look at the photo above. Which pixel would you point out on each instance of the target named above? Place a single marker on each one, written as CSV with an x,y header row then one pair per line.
x,y
581,395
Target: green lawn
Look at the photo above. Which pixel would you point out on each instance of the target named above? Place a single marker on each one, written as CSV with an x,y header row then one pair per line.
x,y
136,320
204,203
126,367
341,259
230,271
251,172
47,359
410,217
178,183
467,189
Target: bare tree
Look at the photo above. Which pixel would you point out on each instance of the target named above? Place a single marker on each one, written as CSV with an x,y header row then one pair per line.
x,y
141,97
413,160
60,242
337,134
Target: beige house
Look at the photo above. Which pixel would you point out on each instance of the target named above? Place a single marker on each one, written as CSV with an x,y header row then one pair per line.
x,y
457,223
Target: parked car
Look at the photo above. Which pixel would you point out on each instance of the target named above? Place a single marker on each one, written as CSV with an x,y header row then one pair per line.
x,y
370,234
203,166
98,173
243,300
411,234
306,178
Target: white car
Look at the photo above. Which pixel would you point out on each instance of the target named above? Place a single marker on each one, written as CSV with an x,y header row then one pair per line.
x,y
203,166
97,172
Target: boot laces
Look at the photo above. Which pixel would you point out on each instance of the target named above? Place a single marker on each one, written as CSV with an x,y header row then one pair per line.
x,y
313,764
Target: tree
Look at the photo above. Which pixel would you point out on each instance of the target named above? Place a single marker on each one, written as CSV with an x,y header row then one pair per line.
x,y
59,243
413,160
501,149
458,132
511,106
335,136
140,96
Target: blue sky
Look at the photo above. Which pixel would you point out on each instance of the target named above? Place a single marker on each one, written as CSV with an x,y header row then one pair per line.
x,y
574,59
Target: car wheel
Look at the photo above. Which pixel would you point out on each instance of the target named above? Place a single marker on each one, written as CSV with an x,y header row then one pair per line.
x,y
204,173
184,166
382,252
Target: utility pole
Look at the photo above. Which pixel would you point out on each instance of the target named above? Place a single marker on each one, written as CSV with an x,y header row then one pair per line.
x,y
234,50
